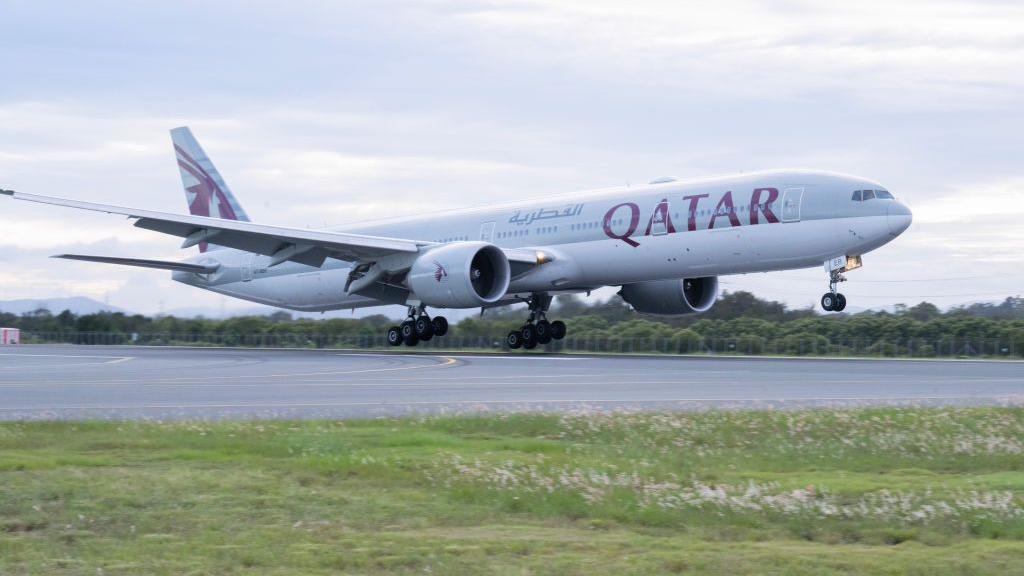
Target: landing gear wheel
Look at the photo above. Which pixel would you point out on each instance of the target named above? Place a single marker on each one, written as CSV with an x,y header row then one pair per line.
x,y
828,302
537,329
833,301
395,336
409,333
440,325
514,339
840,304
558,329
528,334
543,331
424,328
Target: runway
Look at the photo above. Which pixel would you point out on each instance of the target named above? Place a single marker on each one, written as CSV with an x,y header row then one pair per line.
x,y
63,381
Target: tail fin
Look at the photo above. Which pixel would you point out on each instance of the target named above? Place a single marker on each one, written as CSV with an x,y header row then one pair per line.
x,y
205,191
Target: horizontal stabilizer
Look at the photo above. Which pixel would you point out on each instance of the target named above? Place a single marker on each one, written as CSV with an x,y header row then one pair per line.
x,y
143,263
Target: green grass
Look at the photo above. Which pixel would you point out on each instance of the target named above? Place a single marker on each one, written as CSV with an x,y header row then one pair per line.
x,y
872,491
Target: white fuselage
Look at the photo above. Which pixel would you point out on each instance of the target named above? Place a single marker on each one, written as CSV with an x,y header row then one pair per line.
x,y
748,223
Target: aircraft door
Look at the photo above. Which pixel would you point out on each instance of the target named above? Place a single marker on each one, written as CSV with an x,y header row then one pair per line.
x,y
791,200
487,232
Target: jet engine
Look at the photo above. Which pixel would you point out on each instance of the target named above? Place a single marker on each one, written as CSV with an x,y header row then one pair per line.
x,y
672,297
460,275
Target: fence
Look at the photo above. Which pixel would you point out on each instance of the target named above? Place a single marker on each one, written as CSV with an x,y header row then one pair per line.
x,y
792,345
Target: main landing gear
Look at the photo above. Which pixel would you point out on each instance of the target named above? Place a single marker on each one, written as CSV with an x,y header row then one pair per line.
x,y
833,301
418,326
537,329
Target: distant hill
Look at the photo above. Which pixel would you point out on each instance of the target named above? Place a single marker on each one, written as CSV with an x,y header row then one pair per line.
x,y
79,305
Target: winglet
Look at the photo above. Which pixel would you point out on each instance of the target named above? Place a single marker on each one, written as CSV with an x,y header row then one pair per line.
x,y
8,192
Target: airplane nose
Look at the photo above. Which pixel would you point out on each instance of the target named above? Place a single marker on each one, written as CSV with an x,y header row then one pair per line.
x,y
899,217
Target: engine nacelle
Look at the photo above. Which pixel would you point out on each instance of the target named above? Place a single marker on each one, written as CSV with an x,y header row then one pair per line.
x,y
672,297
460,275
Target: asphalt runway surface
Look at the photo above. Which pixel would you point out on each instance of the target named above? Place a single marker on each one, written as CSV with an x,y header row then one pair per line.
x,y
63,381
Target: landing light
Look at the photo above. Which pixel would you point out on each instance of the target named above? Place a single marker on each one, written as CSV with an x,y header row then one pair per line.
x,y
541,257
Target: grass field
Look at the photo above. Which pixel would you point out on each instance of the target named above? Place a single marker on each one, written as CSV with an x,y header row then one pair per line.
x,y
872,491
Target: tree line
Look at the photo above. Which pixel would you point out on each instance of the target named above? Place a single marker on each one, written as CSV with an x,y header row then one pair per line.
x,y
739,322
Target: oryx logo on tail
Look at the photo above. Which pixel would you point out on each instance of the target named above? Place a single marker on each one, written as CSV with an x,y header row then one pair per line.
x,y
205,191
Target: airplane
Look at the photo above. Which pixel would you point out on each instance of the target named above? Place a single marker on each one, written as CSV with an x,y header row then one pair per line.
x,y
664,244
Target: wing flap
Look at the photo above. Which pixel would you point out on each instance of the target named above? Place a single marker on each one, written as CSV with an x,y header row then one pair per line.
x,y
144,263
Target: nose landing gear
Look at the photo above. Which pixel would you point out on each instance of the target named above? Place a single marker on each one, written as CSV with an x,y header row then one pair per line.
x,y
418,326
537,330
833,301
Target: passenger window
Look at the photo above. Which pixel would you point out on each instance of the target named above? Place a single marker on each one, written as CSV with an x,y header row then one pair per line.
x,y
856,196
869,194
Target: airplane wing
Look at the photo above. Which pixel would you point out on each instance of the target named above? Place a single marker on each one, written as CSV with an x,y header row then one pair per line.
x,y
143,263
310,247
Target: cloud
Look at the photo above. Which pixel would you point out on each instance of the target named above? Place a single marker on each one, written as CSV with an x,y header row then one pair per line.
x,y
882,53
326,113
1002,200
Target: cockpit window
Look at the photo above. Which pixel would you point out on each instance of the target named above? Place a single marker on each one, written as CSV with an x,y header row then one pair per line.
x,y
865,195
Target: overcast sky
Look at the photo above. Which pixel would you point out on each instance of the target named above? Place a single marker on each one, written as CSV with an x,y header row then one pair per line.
x,y
327,112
